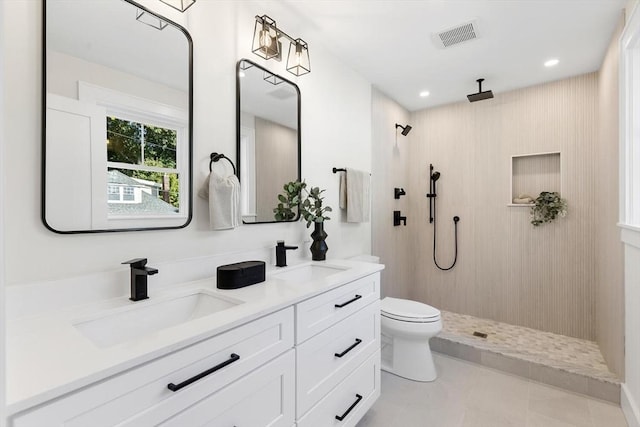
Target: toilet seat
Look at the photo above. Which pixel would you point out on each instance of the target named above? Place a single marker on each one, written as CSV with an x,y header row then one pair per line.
x,y
408,311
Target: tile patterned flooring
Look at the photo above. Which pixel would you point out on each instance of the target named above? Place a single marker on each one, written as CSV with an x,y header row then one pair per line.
x,y
469,395
569,354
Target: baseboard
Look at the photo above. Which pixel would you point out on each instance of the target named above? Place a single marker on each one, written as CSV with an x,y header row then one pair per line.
x,y
629,407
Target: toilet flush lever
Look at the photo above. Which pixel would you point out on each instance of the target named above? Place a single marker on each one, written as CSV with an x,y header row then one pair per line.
x,y
398,218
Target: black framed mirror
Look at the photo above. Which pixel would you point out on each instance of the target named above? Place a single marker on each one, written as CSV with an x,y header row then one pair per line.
x,y
268,148
117,150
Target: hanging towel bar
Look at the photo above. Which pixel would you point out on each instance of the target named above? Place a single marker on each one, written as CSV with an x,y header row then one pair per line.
x,y
336,170
217,156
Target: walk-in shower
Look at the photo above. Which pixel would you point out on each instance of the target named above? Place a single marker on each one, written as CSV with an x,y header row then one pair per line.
x,y
432,195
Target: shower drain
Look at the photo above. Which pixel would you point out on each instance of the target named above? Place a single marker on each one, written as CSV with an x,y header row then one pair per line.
x,y
479,334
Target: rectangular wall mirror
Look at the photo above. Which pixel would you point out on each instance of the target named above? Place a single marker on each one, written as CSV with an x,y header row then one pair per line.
x,y
117,118
268,139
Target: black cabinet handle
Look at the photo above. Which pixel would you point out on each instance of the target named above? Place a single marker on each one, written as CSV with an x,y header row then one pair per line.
x,y
174,387
353,405
357,297
358,341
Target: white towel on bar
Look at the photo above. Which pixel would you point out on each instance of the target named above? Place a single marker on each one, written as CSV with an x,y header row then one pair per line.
x,y
358,195
343,191
224,201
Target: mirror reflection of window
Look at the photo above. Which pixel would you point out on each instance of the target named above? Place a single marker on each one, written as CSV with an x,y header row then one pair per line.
x,y
142,158
136,98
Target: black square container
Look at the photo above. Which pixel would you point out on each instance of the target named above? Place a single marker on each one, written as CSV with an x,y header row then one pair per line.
x,y
240,274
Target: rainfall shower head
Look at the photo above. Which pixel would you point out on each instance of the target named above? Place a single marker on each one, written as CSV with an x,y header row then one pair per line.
x,y
405,129
435,176
480,95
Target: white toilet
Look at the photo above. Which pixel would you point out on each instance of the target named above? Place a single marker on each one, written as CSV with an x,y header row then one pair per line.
x,y
407,326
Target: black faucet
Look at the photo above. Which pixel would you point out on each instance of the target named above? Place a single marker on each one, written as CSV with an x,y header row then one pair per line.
x,y
139,275
281,253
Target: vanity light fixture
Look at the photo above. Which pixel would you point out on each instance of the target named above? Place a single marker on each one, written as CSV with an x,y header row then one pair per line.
x,y
150,20
180,5
266,44
298,59
265,38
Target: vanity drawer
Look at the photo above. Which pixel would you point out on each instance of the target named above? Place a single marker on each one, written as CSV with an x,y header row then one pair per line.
x,y
349,400
265,397
318,313
116,399
326,359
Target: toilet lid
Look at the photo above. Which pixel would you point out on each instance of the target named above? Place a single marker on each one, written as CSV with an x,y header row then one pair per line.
x,y
406,309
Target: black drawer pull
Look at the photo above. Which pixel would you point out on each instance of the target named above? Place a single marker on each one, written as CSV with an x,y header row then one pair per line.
x,y
358,341
357,297
174,387
353,405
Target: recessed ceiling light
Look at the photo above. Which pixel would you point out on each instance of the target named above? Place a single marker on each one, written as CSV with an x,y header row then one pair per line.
x,y
551,63
424,93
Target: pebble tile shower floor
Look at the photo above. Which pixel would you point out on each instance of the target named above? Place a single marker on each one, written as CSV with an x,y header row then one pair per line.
x,y
570,363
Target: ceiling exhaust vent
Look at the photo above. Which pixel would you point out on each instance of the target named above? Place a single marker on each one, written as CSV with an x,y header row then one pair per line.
x,y
456,35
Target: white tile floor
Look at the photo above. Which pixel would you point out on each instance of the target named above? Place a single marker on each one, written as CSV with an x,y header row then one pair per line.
x,y
469,395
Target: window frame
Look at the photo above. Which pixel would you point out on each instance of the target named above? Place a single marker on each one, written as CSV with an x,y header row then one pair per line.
x,y
147,112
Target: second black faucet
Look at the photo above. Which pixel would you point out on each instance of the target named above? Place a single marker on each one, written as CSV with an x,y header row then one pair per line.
x,y
281,253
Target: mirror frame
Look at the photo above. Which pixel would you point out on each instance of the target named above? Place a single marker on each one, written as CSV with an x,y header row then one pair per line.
x,y
238,115
43,165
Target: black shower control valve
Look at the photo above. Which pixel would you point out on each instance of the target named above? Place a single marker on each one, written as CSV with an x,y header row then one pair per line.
x,y
397,192
397,219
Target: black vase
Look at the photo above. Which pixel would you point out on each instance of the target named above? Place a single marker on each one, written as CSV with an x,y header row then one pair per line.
x,y
319,247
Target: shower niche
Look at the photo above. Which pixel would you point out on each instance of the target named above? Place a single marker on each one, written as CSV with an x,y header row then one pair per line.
x,y
534,173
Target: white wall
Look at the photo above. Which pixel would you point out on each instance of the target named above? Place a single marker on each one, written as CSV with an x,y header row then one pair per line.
x,y
630,398
64,72
2,241
336,131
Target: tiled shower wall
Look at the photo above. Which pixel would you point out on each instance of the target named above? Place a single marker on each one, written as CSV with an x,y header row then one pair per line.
x,y
507,270
609,291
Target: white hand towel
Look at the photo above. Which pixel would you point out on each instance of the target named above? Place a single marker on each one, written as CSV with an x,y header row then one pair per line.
x,y
358,195
343,191
224,201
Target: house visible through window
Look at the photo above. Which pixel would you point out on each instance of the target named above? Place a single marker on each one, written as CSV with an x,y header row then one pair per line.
x,y
142,167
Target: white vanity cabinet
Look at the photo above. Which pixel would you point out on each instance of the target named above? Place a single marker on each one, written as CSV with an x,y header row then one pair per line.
x,y
141,396
338,354
312,360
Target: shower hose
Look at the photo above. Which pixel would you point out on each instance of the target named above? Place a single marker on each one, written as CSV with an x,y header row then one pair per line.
x,y
455,226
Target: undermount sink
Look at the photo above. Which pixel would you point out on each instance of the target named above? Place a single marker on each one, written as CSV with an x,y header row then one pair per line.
x,y
143,318
308,272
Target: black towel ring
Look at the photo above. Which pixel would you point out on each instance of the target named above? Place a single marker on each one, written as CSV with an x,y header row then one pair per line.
x,y
217,156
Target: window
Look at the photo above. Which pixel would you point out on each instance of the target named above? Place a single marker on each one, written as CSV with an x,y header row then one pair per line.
x,y
145,152
142,158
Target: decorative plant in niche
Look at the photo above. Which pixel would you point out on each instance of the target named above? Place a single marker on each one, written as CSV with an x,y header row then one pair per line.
x,y
310,205
548,206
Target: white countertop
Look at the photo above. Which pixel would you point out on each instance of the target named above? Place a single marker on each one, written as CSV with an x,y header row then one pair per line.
x,y
47,356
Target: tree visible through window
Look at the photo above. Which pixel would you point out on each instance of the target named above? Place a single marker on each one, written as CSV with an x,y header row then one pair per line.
x,y
148,155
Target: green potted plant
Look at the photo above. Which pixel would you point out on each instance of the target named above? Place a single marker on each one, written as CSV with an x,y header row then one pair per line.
x,y
309,203
547,207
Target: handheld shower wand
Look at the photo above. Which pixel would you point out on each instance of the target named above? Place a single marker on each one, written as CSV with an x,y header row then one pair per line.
x,y
433,177
432,195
